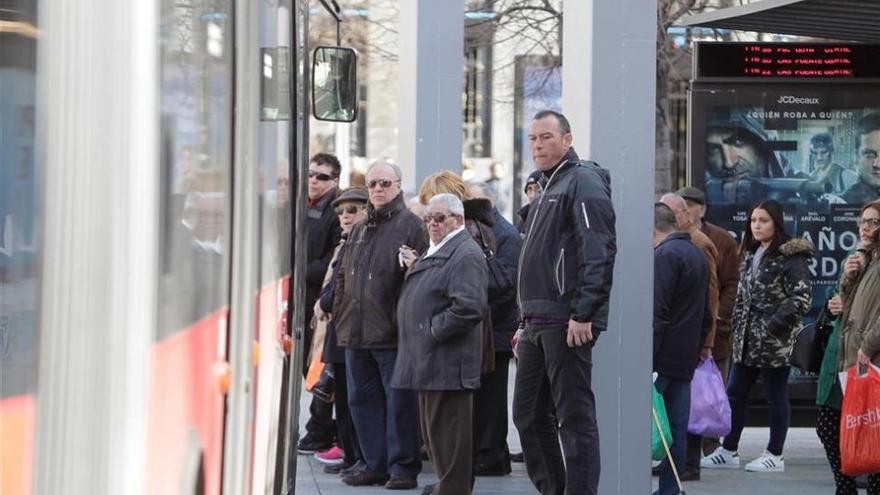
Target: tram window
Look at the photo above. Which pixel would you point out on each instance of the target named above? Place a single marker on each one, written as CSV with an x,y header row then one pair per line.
x,y
275,84
196,106
334,84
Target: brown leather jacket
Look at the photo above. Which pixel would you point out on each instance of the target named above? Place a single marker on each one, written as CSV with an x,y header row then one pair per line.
x,y
728,278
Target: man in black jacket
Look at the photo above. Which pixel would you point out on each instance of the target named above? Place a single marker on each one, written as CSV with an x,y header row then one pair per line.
x,y
367,288
323,236
564,284
682,318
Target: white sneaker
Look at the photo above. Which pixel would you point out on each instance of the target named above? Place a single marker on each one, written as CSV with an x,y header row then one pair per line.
x,y
720,459
767,463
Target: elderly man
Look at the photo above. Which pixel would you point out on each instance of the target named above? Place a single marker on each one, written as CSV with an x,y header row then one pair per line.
x,y
682,216
564,284
681,321
440,314
367,287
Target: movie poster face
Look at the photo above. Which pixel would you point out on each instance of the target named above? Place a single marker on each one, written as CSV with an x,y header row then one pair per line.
x,y
814,149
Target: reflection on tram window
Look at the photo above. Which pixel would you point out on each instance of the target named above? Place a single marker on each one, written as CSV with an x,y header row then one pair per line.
x,y
196,88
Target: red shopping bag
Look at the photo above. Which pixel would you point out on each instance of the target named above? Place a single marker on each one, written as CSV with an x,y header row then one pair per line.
x,y
860,423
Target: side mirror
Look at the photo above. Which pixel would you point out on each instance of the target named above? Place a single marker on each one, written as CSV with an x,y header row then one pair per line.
x,y
334,84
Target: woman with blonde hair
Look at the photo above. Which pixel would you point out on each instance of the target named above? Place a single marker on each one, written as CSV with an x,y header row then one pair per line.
x,y
501,244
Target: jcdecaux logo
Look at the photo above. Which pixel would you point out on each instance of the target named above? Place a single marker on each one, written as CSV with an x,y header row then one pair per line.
x,y
797,100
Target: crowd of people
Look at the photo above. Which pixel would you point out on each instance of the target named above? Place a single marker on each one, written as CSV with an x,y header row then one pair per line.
x,y
422,304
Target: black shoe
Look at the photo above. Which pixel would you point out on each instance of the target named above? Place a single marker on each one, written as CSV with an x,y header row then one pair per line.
x,y
358,466
309,444
364,478
517,457
338,468
499,469
690,475
428,489
401,482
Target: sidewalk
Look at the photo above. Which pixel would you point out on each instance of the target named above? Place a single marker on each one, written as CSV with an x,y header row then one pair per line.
x,y
806,470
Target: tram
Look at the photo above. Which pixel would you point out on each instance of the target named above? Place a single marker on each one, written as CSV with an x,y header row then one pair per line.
x,y
153,159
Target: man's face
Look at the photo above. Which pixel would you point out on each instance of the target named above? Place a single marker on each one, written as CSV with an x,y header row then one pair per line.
x,y
547,142
321,180
729,155
821,156
696,211
440,222
383,185
869,154
532,191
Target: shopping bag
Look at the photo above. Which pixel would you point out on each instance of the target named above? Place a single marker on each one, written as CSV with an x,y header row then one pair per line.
x,y
658,453
860,423
710,409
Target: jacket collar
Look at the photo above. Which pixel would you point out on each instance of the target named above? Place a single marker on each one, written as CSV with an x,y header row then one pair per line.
x,y
376,216
678,235
325,200
569,158
443,253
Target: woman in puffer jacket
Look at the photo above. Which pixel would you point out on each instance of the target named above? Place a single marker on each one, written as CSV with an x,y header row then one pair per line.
x,y
773,294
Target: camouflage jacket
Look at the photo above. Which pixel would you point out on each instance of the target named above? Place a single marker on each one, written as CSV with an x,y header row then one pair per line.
x,y
769,306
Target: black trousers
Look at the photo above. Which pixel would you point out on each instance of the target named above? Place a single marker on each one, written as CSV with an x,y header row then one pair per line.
x,y
447,421
550,372
828,431
346,435
490,416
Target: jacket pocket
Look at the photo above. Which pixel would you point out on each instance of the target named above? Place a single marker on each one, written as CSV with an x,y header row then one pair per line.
x,y
560,272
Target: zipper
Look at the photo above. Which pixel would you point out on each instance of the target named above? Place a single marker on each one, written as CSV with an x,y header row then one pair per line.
x,y
560,281
530,231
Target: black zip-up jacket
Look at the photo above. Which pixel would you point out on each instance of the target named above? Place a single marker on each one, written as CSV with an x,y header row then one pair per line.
x,y
567,258
370,276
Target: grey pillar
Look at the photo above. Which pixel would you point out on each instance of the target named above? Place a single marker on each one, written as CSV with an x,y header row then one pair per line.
x,y
431,78
609,62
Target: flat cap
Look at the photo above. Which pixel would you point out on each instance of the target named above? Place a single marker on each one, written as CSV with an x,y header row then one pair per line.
x,y
693,194
358,194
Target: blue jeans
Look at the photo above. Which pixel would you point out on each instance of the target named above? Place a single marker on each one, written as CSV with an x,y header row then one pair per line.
x,y
742,379
677,398
386,419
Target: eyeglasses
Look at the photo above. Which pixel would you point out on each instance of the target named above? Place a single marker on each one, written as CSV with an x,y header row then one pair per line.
x,y
871,223
385,183
437,217
320,176
350,209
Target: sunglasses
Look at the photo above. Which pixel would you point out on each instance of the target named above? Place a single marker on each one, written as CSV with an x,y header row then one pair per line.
x,y
350,209
320,176
437,217
385,183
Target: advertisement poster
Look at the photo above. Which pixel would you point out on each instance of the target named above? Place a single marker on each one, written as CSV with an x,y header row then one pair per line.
x,y
813,148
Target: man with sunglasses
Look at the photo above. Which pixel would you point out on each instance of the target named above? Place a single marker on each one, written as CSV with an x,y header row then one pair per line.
x,y
323,236
368,284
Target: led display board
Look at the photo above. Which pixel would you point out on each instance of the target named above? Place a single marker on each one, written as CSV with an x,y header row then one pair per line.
x,y
786,61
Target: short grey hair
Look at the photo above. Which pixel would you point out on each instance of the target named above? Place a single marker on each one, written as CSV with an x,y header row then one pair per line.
x,y
451,201
388,163
674,198
664,218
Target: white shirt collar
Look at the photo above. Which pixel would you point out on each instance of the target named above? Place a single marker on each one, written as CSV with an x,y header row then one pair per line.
x,y
436,247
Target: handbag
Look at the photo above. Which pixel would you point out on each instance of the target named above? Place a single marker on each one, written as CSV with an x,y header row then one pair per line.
x,y
860,423
710,408
810,342
660,426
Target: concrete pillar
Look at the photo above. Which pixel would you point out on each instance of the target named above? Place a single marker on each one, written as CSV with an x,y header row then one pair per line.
x,y
609,60
431,78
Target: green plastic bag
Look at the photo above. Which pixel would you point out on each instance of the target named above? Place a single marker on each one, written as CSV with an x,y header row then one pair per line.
x,y
658,453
